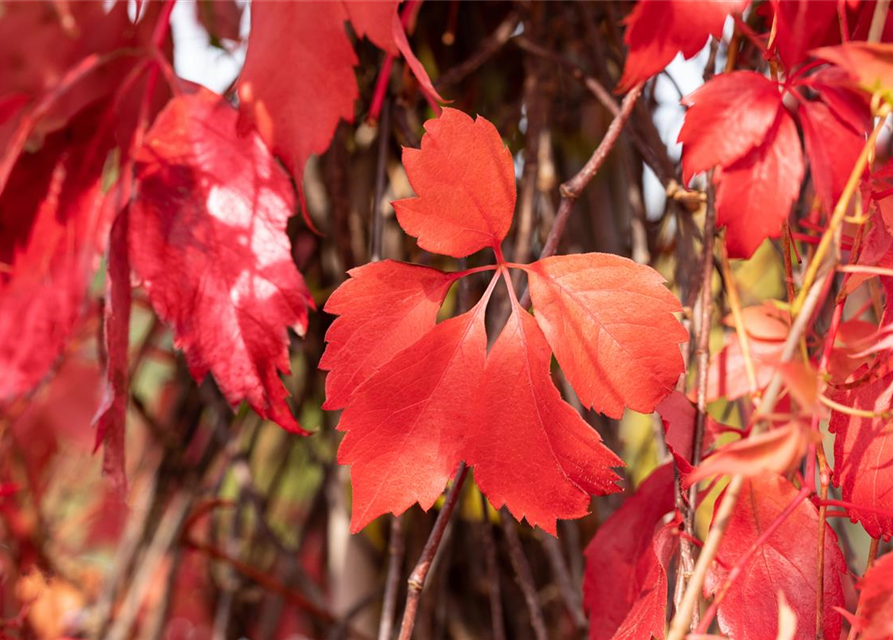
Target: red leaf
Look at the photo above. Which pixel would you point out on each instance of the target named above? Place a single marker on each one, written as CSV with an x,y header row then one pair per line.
x,y
755,193
869,66
775,451
863,452
52,218
207,237
832,148
298,80
407,423
610,323
785,562
465,179
876,600
657,31
727,118
625,588
678,415
110,417
522,423
383,308
802,25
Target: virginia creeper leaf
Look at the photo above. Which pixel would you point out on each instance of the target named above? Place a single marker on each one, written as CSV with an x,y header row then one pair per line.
x,y
726,119
868,65
407,423
383,308
610,323
785,562
876,600
298,80
775,451
657,31
803,25
207,237
465,181
110,417
756,192
625,588
521,412
863,452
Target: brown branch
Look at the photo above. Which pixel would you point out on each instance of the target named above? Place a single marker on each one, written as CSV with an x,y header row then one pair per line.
x,y
493,43
495,592
384,134
562,576
523,575
418,576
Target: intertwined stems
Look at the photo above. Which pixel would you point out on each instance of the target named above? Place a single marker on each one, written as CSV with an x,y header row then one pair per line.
x,y
570,192
804,306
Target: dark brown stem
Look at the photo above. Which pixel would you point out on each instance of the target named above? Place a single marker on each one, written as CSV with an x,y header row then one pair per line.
x,y
493,43
395,563
523,575
381,171
562,576
495,592
418,576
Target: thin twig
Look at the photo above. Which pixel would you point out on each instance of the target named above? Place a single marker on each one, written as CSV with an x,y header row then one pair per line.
x,y
381,171
395,563
571,190
418,576
523,574
681,621
495,592
493,43
872,556
562,576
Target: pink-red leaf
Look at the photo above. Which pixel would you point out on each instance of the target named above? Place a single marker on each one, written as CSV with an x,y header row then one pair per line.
x,y
832,148
610,323
465,181
863,452
876,600
383,308
207,237
657,31
755,193
110,418
869,65
530,449
624,588
726,119
775,451
786,562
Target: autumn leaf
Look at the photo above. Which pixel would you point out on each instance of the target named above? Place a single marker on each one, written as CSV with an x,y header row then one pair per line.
x,y
738,122
419,398
625,585
207,238
863,451
657,31
298,81
876,600
868,65
465,206
785,562
775,451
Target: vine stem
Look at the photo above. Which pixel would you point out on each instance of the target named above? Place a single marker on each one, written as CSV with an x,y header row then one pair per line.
x,y
419,574
840,210
682,619
395,561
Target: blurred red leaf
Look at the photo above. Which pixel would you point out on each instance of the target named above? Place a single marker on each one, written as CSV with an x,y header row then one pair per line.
x,y
625,585
863,452
876,600
207,238
657,31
